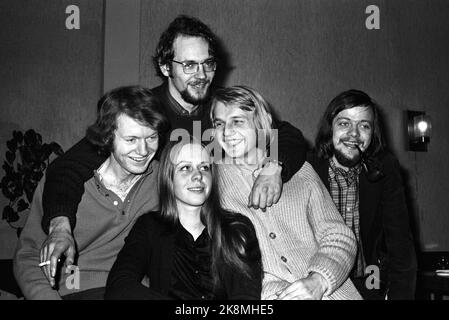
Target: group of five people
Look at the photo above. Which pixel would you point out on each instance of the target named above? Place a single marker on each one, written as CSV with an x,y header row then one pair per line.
x,y
148,207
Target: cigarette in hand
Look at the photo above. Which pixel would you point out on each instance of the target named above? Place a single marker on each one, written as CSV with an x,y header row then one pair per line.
x,y
45,263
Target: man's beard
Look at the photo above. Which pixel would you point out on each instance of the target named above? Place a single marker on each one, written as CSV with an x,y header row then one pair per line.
x,y
189,98
345,161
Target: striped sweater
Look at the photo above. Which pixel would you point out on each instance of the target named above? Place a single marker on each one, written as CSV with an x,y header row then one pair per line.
x,y
300,234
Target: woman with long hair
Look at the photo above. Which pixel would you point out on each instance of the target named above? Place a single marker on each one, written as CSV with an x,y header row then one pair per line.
x,y
191,249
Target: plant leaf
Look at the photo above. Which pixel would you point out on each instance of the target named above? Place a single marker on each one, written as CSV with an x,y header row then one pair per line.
x,y
10,157
56,148
7,211
18,136
10,214
12,145
8,168
30,137
22,205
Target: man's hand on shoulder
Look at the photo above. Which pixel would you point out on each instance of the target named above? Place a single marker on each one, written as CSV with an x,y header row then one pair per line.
x,y
59,242
267,188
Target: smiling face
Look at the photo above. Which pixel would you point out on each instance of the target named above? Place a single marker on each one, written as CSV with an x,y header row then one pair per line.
x,y
235,132
192,179
134,147
351,127
189,89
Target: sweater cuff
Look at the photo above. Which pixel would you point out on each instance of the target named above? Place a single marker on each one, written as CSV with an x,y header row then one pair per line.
x,y
332,283
58,211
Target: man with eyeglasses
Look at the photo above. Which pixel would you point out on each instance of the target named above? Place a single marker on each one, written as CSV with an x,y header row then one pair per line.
x,y
186,60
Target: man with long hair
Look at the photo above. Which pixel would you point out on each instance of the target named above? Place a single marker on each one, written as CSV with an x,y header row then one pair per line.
x,y
365,183
187,58
128,130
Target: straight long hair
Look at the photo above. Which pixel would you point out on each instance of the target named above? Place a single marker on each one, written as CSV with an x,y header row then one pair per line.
x,y
229,232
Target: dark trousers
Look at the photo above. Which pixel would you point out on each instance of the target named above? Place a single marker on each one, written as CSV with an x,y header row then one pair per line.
x,y
368,294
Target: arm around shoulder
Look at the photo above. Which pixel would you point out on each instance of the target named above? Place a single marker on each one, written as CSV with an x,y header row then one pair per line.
x,y
65,178
292,149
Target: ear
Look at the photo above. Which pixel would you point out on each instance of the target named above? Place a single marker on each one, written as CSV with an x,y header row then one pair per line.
x,y
165,69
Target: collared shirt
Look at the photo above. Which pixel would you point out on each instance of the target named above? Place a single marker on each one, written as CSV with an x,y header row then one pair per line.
x,y
195,122
191,276
344,190
103,222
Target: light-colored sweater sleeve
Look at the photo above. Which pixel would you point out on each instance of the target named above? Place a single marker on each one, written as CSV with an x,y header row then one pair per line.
x,y
337,243
29,276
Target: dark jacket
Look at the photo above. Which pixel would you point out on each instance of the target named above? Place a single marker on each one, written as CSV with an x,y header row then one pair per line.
x,y
149,250
384,225
66,175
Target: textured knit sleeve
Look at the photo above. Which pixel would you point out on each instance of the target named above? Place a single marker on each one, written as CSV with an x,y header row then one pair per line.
x,y
125,278
29,276
337,244
292,149
65,178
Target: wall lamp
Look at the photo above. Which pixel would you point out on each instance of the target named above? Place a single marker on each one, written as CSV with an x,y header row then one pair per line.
x,y
419,129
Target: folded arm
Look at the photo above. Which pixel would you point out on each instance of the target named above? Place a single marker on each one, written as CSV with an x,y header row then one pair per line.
x,y
65,178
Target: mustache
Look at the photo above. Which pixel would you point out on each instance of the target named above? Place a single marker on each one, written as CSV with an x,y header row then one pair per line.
x,y
358,141
197,82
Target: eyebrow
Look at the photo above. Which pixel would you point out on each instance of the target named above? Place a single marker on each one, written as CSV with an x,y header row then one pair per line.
x,y
194,61
346,118
190,162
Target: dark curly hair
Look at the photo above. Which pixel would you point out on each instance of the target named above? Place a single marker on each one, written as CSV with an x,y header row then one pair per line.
x,y
182,25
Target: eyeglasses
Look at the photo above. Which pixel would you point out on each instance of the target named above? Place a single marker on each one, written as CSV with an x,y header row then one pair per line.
x,y
190,67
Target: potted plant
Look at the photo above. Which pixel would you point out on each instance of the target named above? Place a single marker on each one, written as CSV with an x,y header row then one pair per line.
x,y
26,160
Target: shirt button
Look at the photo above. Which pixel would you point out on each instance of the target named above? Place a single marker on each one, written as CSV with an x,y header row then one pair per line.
x,y
272,235
284,259
115,203
196,272
203,297
348,209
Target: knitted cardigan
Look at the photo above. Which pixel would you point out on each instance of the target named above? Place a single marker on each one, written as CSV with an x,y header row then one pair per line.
x,y
300,234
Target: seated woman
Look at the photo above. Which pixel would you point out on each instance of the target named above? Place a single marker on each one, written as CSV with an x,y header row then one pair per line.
x,y
191,249
307,250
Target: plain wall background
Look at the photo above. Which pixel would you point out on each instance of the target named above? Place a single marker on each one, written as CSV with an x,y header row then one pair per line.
x,y
301,54
50,77
298,53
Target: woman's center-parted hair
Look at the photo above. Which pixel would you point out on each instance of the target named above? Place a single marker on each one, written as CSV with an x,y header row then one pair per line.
x,y
249,100
166,175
